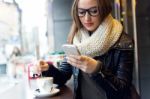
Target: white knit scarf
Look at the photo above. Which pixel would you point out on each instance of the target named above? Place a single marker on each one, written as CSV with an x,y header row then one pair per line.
x,y
101,40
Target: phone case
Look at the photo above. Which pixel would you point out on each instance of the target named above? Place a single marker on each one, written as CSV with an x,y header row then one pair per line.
x,y
70,49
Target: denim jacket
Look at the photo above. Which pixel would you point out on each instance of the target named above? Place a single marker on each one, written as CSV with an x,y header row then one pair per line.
x,y
115,77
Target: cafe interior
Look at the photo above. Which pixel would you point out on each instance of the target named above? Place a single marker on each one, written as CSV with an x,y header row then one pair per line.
x,y
31,30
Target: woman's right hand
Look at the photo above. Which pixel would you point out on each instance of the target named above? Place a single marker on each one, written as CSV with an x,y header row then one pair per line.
x,y
43,66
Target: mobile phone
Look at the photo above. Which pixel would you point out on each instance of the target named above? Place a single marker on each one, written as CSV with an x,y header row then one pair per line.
x,y
70,49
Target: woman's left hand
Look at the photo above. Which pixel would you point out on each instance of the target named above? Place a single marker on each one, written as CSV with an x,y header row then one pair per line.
x,y
85,63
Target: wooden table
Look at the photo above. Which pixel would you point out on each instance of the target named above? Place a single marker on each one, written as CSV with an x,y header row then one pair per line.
x,y
65,93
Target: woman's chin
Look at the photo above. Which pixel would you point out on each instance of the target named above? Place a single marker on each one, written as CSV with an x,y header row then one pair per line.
x,y
89,28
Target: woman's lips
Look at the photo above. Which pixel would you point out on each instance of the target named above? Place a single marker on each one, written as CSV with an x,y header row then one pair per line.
x,y
88,24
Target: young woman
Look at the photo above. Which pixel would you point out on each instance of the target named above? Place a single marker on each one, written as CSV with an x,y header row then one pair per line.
x,y
104,68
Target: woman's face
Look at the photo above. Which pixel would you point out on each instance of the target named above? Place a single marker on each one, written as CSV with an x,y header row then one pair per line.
x,y
89,14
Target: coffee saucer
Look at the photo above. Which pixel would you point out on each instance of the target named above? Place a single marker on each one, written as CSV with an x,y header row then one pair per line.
x,y
53,92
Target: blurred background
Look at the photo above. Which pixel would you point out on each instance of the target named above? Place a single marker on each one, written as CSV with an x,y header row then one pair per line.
x,y
36,29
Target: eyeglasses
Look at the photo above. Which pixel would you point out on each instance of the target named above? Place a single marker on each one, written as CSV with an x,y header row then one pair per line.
x,y
93,11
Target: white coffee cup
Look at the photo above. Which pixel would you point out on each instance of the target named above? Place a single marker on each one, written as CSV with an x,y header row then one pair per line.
x,y
45,84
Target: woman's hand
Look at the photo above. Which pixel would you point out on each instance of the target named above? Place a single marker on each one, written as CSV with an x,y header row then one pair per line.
x,y
42,66
85,63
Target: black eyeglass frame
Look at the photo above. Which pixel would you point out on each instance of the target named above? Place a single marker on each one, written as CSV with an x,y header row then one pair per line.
x,y
89,11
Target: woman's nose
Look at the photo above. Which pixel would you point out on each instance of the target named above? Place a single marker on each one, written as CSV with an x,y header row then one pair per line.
x,y
87,17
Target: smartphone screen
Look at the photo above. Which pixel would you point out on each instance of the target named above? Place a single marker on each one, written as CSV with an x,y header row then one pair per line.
x,y
70,49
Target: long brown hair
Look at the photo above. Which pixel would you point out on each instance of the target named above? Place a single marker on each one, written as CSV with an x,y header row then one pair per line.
x,y
104,9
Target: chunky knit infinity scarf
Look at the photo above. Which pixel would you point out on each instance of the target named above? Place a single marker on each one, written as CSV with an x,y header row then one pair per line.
x,y
101,40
